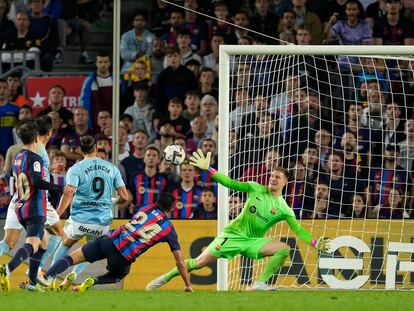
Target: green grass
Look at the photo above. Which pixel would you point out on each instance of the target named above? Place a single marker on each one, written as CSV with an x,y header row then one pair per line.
x,y
291,300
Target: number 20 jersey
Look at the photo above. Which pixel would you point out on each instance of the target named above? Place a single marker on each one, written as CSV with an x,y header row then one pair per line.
x,y
95,180
147,227
31,201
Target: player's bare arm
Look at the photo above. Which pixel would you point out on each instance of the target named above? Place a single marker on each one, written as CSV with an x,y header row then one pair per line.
x,y
67,197
183,270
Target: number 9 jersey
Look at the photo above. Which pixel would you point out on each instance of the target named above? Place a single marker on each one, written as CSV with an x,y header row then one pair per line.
x,y
95,180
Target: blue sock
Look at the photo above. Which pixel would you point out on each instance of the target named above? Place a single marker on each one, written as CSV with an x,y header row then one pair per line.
x,y
22,253
54,241
61,251
59,266
4,248
34,263
80,267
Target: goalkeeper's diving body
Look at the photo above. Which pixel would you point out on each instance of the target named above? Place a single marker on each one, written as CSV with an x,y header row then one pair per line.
x,y
264,208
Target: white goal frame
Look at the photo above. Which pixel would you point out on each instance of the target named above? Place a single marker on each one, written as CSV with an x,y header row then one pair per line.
x,y
226,51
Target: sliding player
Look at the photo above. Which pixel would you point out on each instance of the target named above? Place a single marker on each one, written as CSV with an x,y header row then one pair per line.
x,y
122,246
264,208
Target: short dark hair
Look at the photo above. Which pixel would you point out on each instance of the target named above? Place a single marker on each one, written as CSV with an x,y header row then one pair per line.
x,y
152,147
172,50
193,62
103,54
141,131
101,136
28,132
193,93
176,101
166,201
44,124
16,74
208,189
3,81
184,32
126,116
87,144
207,69
337,153
25,106
289,11
59,87
142,13
140,86
208,139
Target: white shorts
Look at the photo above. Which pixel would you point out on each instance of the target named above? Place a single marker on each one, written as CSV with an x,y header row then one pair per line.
x,y
76,230
12,222
52,216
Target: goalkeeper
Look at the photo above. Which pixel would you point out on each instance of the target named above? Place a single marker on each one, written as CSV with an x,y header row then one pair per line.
x,y
264,208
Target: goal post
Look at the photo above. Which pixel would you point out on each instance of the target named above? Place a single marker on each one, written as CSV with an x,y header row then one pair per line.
x,y
374,251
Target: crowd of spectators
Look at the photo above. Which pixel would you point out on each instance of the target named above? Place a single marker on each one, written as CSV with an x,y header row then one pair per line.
x,y
342,126
43,27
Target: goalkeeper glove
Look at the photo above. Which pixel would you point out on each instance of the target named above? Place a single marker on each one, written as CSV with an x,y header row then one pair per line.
x,y
198,159
323,244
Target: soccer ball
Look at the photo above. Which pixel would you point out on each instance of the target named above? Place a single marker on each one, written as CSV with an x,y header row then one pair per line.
x,y
174,154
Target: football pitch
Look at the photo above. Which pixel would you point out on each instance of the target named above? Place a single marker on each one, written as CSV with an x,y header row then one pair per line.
x,y
287,300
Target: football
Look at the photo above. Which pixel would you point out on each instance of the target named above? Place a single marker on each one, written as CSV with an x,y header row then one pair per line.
x,y
174,154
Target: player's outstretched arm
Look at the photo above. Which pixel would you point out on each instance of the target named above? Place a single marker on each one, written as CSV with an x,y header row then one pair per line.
x,y
322,244
183,270
39,183
198,159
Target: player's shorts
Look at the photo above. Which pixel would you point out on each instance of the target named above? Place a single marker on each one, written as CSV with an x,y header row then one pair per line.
x,y
102,248
12,222
76,230
35,227
52,216
231,245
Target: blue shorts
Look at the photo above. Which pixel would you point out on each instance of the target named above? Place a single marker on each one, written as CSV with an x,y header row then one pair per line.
x,y
102,248
34,226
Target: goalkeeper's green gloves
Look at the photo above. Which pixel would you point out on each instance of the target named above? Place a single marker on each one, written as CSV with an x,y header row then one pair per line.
x,y
198,159
323,244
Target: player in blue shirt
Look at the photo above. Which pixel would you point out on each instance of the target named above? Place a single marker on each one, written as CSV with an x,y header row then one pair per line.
x,y
28,174
89,184
122,246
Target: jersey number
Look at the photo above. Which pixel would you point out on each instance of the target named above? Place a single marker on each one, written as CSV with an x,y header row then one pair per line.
x,y
146,232
22,185
98,186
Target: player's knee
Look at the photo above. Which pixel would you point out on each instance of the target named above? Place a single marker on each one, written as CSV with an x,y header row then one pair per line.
x,y
11,244
66,242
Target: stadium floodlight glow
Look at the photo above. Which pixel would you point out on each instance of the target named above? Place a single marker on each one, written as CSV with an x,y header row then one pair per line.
x,y
321,83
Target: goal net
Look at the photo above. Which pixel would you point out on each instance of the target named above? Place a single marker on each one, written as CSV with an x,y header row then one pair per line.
x,y
339,119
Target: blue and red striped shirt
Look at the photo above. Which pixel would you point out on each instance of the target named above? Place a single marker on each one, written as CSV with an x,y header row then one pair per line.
x,y
31,201
205,179
147,227
146,189
201,213
186,202
382,180
56,179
